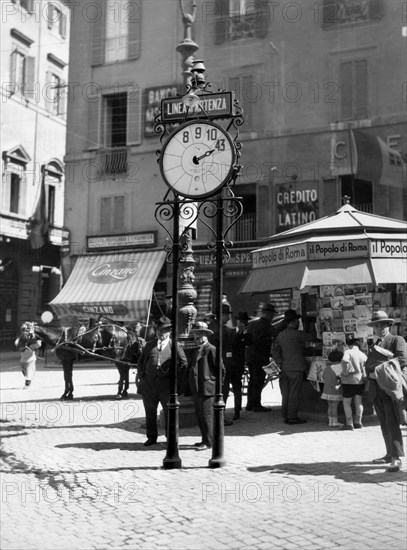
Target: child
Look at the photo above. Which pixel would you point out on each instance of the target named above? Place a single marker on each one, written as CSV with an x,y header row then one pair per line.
x,y
332,388
353,381
26,345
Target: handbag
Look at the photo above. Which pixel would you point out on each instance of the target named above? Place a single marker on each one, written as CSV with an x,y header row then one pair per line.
x,y
272,370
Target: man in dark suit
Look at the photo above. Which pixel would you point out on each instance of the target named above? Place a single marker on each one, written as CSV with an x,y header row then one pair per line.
x,y
259,339
202,381
384,405
153,376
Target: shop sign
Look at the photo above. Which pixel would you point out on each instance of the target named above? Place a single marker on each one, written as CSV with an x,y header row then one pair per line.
x,y
203,277
217,105
132,240
336,250
152,105
235,258
388,249
280,255
106,309
235,274
296,204
113,272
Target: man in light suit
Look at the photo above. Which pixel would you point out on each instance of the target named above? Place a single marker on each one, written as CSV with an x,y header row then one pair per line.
x,y
153,376
384,405
202,381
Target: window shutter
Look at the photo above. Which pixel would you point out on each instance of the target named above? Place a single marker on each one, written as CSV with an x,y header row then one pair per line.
x,y
246,102
50,16
376,9
361,89
63,25
105,213
30,6
98,39
63,96
48,93
13,67
134,36
345,78
133,117
93,122
29,78
118,213
329,13
222,16
261,24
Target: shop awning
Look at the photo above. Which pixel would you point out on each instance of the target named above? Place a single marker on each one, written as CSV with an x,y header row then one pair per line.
x,y
299,275
116,285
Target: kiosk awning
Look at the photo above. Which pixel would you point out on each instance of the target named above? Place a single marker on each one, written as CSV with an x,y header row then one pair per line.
x,y
300,275
115,285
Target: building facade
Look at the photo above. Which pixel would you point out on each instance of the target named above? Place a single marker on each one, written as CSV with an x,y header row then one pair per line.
x,y
34,73
321,85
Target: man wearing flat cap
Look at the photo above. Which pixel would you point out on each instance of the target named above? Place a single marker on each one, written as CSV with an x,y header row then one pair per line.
x,y
385,407
289,353
153,376
260,334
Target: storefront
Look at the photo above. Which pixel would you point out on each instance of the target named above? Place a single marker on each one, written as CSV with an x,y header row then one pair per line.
x,y
337,270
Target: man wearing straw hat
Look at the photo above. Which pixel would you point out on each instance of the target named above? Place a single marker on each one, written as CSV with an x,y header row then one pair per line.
x,y
384,406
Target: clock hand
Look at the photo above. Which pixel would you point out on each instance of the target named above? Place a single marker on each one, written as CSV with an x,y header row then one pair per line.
x,y
196,159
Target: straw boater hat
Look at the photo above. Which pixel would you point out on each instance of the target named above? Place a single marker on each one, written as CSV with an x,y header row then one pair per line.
x,y
199,327
380,317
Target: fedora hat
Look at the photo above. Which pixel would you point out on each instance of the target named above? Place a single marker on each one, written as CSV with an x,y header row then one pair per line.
x,y
291,315
269,307
163,322
380,317
242,316
200,326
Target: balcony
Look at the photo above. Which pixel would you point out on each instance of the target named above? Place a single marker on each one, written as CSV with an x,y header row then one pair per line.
x,y
112,161
244,229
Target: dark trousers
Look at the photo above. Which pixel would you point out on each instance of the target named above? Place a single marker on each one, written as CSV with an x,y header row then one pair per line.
x,y
389,423
290,387
124,378
233,377
152,395
204,416
257,377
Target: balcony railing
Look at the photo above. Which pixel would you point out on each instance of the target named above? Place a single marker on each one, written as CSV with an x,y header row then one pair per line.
x,y
365,207
112,161
244,229
242,26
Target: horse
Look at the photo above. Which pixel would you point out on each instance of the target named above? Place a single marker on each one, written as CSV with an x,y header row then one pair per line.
x,y
103,340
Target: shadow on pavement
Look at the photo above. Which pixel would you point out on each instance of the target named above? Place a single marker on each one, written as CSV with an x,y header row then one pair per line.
x,y
352,472
113,446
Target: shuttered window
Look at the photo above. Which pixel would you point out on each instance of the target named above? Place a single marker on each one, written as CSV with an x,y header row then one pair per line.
x,y
242,86
112,212
22,73
240,19
353,77
15,181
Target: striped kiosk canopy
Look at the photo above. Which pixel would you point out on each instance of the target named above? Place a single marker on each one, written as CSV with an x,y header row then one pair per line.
x,y
116,285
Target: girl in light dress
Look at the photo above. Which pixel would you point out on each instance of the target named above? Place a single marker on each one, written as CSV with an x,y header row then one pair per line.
x,y
332,391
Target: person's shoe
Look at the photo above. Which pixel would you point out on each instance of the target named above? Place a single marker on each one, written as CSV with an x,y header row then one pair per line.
x,y
119,396
227,422
383,460
394,465
293,421
236,416
249,408
199,443
202,447
125,394
348,427
337,425
357,425
150,442
260,409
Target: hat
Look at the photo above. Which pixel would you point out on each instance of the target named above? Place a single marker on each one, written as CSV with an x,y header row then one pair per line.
x,y
226,308
200,326
242,316
269,307
163,322
291,315
380,317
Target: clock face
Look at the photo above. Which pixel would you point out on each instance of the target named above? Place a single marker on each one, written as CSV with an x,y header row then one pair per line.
x,y
197,159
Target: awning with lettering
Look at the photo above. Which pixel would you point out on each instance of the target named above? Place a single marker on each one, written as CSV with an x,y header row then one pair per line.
x,y
369,271
115,285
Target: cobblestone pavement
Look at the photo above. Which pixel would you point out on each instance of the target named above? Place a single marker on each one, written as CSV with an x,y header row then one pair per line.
x,y
75,475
